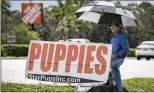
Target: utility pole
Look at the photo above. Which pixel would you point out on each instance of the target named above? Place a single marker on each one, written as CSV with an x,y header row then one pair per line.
x,y
32,25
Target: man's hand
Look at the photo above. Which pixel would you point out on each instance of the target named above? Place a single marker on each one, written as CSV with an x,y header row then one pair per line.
x,y
113,56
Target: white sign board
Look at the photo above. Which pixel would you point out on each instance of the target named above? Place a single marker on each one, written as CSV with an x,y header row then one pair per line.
x,y
68,62
11,39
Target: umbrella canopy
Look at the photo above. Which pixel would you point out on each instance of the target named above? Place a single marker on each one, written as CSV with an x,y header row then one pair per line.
x,y
106,12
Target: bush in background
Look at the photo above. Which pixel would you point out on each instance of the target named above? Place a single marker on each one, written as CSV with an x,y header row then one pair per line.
x,y
22,33
14,50
131,53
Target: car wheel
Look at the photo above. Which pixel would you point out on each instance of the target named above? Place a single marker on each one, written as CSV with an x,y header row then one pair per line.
x,y
148,58
138,58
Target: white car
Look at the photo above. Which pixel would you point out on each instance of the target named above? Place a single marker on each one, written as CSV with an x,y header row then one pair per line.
x,y
61,41
145,49
78,40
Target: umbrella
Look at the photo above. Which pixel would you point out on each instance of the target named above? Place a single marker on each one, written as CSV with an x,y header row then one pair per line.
x,y
106,12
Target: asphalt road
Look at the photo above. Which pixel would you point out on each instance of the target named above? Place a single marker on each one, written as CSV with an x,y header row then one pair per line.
x,y
13,70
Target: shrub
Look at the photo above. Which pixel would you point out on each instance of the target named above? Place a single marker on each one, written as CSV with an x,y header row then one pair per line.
x,y
14,50
131,53
23,34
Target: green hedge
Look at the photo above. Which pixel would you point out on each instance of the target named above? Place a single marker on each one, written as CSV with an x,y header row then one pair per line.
x,y
131,53
22,50
14,50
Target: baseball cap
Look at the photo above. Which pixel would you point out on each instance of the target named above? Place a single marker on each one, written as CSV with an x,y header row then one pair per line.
x,y
116,23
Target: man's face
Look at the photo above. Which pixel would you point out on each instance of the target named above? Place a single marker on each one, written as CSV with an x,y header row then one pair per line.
x,y
115,29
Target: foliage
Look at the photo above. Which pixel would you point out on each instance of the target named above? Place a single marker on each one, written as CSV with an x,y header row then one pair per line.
x,y
131,53
23,34
101,33
5,5
14,50
8,22
145,15
60,22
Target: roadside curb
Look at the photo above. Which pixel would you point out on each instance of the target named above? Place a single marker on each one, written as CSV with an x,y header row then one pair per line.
x,y
13,57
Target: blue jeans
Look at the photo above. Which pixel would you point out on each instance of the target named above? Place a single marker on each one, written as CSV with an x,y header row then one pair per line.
x,y
115,65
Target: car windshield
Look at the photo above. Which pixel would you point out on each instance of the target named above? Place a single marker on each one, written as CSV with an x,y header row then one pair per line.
x,y
149,44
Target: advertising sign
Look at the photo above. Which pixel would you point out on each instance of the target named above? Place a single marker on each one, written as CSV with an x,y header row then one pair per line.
x,y
32,13
11,39
68,62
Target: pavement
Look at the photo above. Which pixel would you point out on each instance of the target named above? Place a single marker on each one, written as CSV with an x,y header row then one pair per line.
x,y
133,68
13,70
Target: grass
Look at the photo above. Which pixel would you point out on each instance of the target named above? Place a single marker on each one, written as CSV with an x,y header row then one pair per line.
x,y
132,85
14,87
136,84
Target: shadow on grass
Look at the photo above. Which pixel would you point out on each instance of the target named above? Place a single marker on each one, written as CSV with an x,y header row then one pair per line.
x,y
104,88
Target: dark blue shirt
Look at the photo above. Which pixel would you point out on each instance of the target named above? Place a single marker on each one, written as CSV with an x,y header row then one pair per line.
x,y
120,46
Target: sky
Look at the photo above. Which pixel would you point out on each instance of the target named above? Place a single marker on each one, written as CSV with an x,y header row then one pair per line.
x,y
16,5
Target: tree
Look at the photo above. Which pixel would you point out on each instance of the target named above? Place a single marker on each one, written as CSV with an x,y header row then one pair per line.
x,y
145,16
16,17
7,23
5,19
145,5
60,21
101,33
5,5
23,34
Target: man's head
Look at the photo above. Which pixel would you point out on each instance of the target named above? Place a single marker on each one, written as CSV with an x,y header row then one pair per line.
x,y
115,26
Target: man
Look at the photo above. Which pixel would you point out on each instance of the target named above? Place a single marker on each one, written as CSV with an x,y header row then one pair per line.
x,y
120,48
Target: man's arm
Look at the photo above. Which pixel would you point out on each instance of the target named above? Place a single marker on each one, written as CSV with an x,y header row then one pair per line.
x,y
125,46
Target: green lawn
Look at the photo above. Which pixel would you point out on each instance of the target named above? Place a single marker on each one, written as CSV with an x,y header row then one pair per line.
x,y
14,87
132,85
135,84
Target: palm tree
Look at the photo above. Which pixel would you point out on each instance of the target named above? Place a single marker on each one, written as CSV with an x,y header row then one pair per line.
x,y
60,22
59,16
